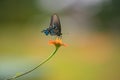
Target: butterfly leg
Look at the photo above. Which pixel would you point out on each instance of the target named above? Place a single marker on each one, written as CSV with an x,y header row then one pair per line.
x,y
59,37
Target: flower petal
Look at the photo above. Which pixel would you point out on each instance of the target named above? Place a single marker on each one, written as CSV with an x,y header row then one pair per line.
x,y
57,42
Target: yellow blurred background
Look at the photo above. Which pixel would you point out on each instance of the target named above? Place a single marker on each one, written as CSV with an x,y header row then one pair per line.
x,y
91,29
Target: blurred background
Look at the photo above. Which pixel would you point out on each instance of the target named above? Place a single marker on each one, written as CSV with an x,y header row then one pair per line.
x,y
91,28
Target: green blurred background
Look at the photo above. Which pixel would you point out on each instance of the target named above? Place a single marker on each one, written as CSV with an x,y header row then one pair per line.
x,y
91,28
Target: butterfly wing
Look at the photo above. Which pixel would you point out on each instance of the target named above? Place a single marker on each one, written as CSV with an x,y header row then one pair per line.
x,y
55,27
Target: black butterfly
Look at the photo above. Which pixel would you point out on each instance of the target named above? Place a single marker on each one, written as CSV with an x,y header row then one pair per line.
x,y
55,26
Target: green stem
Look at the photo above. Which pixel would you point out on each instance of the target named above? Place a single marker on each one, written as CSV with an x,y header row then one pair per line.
x,y
36,66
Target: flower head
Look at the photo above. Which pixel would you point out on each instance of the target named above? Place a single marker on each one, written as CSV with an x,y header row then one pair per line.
x,y
58,42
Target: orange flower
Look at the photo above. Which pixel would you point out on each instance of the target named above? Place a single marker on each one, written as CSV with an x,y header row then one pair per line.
x,y
58,42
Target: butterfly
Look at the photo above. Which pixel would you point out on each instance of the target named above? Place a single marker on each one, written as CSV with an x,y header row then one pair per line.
x,y
54,28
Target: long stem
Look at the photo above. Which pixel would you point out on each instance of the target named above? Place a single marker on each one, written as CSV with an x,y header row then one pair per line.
x,y
36,66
